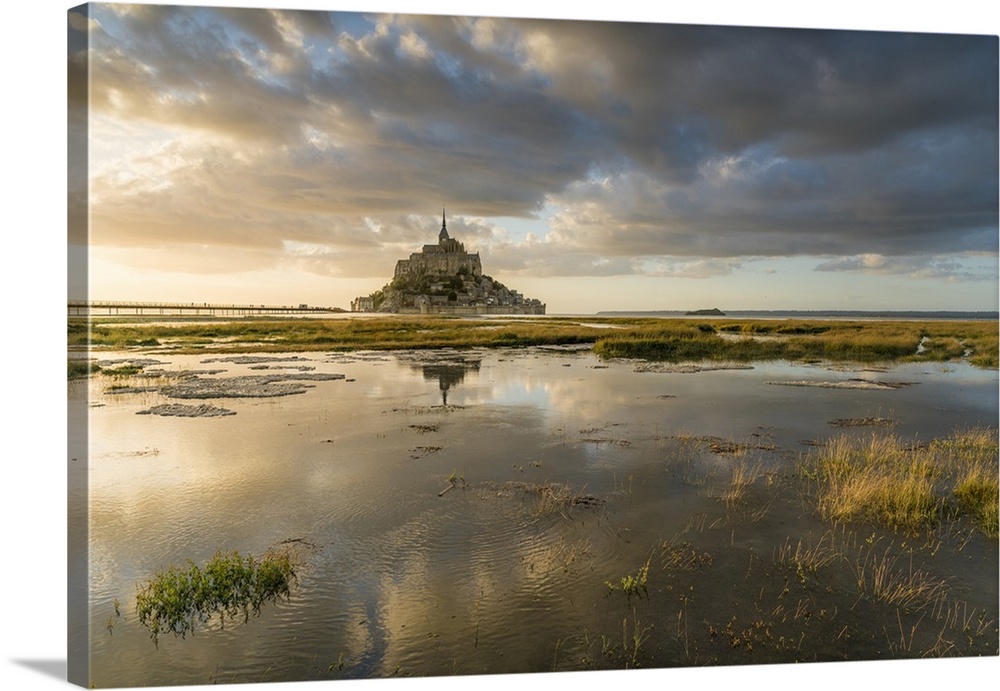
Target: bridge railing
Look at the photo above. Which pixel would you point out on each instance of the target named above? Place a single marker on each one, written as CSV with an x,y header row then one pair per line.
x,y
141,305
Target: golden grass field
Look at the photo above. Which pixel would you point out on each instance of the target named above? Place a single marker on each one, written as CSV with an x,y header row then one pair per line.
x,y
646,338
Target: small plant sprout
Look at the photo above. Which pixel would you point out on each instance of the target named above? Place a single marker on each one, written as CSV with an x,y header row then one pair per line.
x,y
453,480
639,635
632,584
339,665
112,620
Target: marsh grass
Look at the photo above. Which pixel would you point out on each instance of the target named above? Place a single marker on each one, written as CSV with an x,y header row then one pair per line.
x,y
942,348
985,350
229,584
683,557
633,642
951,340
765,341
972,459
976,491
888,480
378,333
123,371
881,578
634,636
80,369
550,497
877,479
82,334
972,456
646,338
809,559
563,557
795,340
745,474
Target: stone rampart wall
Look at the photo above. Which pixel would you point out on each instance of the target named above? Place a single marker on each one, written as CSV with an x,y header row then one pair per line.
x,y
448,264
474,309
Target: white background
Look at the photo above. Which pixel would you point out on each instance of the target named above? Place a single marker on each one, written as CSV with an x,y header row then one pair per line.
x,y
33,454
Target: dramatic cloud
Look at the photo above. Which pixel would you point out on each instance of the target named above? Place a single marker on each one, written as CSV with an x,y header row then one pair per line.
x,y
333,139
914,267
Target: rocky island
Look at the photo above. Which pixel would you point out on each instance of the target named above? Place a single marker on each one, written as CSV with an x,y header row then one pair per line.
x,y
444,278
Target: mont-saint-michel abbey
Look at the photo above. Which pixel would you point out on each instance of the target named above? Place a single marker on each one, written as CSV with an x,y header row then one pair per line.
x,y
445,279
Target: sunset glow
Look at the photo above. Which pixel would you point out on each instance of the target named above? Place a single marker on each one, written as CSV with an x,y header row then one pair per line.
x,y
279,156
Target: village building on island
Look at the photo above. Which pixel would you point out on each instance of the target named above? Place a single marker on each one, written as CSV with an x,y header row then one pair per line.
x,y
444,278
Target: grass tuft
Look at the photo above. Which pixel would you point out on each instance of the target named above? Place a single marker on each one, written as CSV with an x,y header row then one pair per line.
x,y
230,585
809,559
744,477
887,480
880,578
976,485
80,369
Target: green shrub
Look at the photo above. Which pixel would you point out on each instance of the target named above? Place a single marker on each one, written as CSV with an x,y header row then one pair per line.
x,y
80,369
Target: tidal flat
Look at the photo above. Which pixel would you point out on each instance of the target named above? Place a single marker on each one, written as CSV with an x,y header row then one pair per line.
x,y
531,508
635,337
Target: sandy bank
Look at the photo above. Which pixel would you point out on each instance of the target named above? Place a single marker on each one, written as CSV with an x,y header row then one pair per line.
x,y
181,410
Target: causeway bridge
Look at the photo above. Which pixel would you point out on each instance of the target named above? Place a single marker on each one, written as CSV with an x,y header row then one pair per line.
x,y
111,308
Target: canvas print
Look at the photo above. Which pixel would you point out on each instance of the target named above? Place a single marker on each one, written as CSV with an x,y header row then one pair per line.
x,y
413,345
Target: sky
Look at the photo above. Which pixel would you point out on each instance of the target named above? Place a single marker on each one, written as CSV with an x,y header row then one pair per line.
x,y
286,156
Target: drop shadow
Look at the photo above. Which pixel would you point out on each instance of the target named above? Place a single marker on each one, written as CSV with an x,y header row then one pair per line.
x,y
50,668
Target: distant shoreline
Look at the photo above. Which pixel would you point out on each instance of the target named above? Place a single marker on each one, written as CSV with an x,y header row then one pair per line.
x,y
815,314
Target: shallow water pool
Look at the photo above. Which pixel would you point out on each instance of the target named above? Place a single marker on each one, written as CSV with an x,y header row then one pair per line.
x,y
476,511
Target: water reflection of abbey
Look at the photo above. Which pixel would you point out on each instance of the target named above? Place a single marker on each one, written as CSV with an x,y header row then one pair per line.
x,y
447,374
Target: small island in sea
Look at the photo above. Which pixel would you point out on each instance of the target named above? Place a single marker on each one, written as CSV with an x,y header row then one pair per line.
x,y
711,312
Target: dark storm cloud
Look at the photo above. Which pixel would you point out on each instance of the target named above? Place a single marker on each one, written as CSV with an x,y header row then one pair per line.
x,y
649,140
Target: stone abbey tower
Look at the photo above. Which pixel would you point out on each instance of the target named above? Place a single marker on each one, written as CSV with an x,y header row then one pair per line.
x,y
447,257
445,279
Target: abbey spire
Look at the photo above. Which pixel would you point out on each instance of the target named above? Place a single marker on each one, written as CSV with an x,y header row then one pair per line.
x,y
443,235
